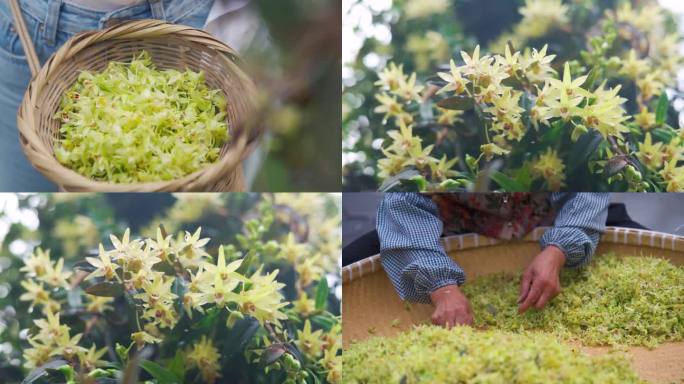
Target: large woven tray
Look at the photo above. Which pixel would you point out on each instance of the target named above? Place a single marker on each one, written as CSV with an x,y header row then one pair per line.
x,y
371,304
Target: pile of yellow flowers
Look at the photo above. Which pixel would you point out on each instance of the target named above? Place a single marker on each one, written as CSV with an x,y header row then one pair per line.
x,y
428,354
537,121
613,301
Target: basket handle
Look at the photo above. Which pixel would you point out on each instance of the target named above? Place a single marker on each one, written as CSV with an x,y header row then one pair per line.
x,y
29,49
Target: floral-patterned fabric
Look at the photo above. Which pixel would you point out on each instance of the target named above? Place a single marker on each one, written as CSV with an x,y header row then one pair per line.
x,y
504,216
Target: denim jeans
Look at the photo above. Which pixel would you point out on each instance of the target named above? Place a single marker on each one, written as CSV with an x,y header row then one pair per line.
x,y
51,23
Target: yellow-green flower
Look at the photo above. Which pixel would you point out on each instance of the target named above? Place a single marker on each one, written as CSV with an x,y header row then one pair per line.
x,y
204,356
490,150
35,293
427,48
304,305
310,342
408,90
308,270
291,250
539,16
651,85
90,358
569,87
98,304
605,114
537,65
632,66
391,77
645,119
673,176
443,169
650,154
141,338
37,263
455,82
263,300
448,116
424,8
390,107
551,168
104,265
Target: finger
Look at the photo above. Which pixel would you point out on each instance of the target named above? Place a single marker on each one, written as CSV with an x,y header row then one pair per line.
x,y
532,296
544,298
524,287
466,319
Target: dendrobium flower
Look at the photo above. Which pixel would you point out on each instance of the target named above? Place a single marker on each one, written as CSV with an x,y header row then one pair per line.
x,y
551,168
310,342
36,264
104,265
455,83
650,154
141,338
205,357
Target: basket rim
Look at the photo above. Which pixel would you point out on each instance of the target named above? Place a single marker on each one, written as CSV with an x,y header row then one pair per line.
x,y
239,147
614,235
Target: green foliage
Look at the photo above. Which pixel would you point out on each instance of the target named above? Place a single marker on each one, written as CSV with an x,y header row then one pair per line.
x,y
615,300
134,123
429,354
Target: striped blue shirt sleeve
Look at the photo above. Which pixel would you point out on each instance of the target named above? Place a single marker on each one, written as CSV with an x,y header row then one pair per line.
x,y
409,229
580,221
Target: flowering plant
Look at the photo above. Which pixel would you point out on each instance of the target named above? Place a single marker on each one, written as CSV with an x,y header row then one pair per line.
x,y
587,113
256,309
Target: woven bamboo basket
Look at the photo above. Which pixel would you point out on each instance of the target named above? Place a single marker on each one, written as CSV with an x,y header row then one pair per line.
x,y
170,46
370,304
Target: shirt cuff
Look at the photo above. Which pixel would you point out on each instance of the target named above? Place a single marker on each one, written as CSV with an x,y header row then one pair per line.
x,y
573,244
433,272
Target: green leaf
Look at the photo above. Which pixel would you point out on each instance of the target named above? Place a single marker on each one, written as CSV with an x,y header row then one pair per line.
x,y
84,265
461,103
661,109
42,370
395,180
176,365
665,134
507,183
552,136
165,267
239,336
586,146
106,289
420,182
325,321
179,288
163,375
322,293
